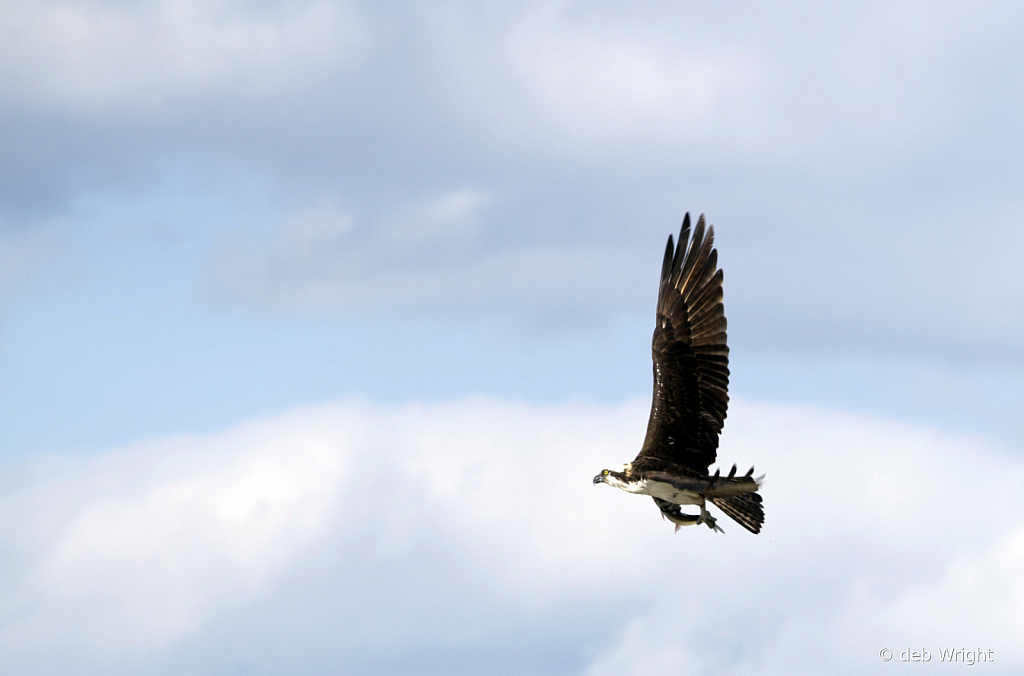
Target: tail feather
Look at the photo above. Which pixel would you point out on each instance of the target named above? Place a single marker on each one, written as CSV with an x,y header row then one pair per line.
x,y
744,509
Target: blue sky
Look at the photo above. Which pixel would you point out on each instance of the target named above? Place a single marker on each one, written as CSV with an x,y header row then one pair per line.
x,y
222,222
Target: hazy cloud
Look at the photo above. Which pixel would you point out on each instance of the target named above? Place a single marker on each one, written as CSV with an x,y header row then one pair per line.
x,y
96,56
790,85
23,253
441,255
941,282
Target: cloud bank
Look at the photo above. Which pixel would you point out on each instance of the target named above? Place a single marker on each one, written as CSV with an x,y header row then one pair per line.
x,y
861,161
465,536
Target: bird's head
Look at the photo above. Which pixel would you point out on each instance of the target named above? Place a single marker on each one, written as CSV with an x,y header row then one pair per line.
x,y
613,475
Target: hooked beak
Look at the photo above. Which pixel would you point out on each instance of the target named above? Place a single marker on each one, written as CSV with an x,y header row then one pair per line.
x,y
599,479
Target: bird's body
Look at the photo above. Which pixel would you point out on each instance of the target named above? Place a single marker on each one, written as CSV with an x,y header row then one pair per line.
x,y
691,381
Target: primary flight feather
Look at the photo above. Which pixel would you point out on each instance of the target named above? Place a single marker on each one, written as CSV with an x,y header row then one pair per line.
x,y
691,384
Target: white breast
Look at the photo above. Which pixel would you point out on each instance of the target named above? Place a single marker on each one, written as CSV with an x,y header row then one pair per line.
x,y
658,489
666,491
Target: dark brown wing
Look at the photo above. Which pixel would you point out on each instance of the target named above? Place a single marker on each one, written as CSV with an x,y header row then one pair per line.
x,y
691,359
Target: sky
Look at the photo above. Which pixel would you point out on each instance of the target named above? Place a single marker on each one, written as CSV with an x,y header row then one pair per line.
x,y
316,319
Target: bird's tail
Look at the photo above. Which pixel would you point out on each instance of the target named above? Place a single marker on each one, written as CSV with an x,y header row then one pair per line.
x,y
744,509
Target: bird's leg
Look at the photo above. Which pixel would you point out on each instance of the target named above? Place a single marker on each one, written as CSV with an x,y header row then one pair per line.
x,y
706,518
672,512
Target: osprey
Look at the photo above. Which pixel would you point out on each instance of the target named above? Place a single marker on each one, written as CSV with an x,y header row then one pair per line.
x,y
691,382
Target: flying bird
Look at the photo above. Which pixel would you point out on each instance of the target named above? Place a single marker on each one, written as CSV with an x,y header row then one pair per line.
x,y
691,383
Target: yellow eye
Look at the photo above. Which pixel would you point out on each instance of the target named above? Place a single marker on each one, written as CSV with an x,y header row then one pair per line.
x,y
604,472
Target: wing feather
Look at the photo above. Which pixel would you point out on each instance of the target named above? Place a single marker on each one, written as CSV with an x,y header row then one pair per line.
x,y
691,357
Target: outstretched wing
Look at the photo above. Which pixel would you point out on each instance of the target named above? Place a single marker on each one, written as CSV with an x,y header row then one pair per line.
x,y
691,359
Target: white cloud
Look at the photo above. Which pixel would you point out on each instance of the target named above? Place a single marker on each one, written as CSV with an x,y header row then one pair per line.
x,y
110,55
129,552
352,533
